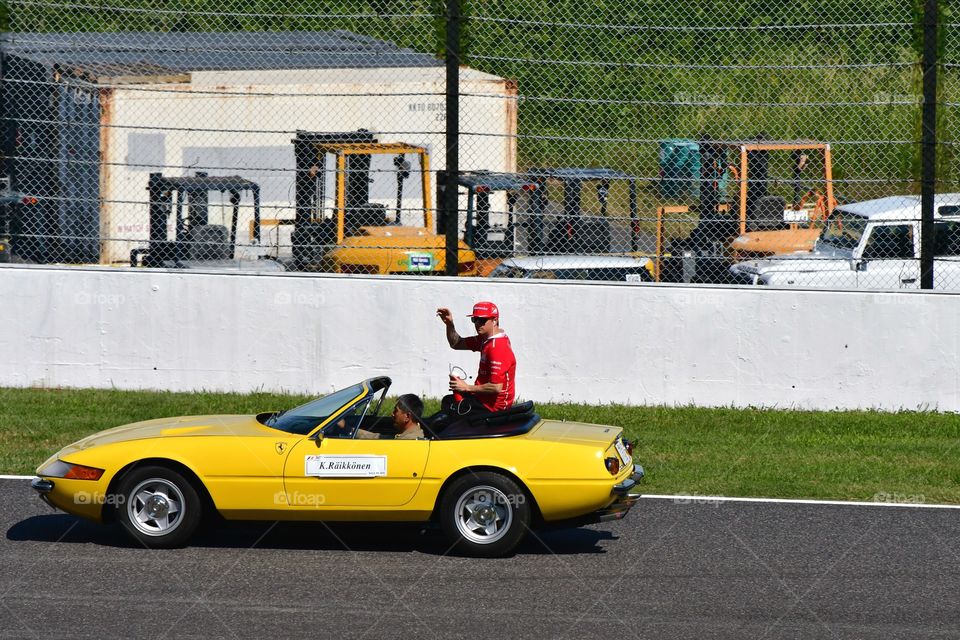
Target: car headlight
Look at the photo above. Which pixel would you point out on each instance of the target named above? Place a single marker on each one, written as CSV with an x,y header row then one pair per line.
x,y
61,469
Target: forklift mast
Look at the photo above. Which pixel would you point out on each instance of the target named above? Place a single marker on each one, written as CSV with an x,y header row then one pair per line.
x,y
309,185
573,232
487,240
351,153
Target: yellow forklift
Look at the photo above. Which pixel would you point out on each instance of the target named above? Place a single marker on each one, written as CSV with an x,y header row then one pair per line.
x,y
347,232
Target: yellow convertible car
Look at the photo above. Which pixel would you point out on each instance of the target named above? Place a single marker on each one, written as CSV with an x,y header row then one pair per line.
x,y
485,480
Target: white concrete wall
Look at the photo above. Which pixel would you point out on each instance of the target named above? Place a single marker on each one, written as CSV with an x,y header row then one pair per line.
x,y
593,343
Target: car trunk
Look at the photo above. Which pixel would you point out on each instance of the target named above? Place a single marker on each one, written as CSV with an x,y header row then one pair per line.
x,y
575,432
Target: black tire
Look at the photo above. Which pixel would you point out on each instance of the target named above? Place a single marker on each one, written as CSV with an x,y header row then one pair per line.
x,y
500,523
163,493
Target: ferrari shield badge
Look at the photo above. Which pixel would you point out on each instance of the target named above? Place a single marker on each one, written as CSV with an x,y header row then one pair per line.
x,y
281,447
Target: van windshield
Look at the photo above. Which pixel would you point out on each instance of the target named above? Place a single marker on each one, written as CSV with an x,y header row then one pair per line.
x,y
843,230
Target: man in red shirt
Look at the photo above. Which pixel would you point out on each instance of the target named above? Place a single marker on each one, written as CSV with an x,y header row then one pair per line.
x,y
494,389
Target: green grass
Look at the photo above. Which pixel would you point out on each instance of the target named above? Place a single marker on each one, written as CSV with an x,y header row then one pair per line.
x,y
736,452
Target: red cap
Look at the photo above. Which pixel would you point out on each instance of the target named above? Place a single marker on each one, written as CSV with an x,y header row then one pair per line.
x,y
485,310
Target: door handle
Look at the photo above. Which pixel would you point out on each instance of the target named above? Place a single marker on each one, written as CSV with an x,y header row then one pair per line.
x,y
908,280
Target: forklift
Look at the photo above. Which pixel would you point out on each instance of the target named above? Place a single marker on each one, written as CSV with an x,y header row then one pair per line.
x,y
197,242
346,232
572,231
9,201
754,222
491,240
532,226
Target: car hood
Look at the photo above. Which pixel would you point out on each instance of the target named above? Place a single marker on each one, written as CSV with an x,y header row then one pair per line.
x,y
187,426
795,262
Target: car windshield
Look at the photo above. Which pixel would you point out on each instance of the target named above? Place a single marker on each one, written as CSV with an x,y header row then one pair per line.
x,y
305,418
843,230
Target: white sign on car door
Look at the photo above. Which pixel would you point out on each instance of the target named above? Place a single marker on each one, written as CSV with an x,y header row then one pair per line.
x,y
352,466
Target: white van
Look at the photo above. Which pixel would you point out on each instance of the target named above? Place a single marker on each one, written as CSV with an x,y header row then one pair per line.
x,y
874,244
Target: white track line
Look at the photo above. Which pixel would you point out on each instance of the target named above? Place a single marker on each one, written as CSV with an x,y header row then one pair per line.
x,y
709,499
847,503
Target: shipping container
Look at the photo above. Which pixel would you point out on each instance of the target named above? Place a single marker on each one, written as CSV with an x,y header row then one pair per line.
x,y
92,115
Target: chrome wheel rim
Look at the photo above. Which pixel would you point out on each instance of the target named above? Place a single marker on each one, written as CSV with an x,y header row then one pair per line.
x,y
155,507
483,514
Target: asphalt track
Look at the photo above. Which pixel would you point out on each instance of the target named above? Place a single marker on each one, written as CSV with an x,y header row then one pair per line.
x,y
672,569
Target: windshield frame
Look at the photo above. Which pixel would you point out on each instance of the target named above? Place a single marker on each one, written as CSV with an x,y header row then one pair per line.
x,y
366,390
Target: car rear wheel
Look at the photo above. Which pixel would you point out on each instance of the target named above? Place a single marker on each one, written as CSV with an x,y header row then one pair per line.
x,y
158,507
485,514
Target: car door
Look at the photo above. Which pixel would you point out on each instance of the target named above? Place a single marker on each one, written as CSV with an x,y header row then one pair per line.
x,y
335,469
946,265
347,472
889,257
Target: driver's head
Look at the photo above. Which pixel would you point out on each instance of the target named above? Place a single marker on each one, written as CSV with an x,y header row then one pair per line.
x,y
407,411
485,318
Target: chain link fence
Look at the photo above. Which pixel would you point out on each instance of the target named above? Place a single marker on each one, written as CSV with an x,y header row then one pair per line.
x,y
771,142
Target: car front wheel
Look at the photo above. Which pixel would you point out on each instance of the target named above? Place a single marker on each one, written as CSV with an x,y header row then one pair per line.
x,y
158,507
485,514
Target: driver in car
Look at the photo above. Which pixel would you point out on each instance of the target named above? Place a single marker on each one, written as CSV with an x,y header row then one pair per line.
x,y
406,420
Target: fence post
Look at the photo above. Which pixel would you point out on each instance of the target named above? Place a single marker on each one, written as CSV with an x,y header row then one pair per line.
x,y
928,141
451,215
7,128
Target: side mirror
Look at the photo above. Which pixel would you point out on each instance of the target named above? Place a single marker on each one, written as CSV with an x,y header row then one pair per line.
x,y
858,264
318,438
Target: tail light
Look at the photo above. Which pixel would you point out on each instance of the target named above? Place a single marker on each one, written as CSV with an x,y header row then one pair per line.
x,y
613,465
529,187
628,445
28,200
482,189
466,267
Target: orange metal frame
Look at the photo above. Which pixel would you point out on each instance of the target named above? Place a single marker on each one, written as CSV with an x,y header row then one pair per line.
x,y
782,146
342,150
